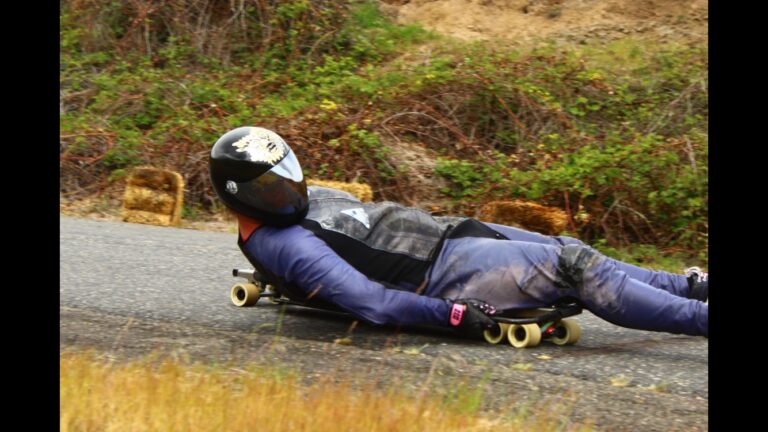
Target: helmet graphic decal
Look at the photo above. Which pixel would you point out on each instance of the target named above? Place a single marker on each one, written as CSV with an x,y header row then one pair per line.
x,y
262,145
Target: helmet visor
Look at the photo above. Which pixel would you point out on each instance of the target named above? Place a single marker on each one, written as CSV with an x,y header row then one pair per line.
x,y
279,191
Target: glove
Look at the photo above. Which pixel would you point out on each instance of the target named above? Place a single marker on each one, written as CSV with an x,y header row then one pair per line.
x,y
471,316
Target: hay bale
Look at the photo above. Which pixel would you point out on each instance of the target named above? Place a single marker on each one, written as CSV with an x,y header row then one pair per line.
x,y
156,179
362,191
526,215
146,217
153,196
151,200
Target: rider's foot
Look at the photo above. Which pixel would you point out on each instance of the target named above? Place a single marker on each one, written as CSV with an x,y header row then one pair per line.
x,y
698,284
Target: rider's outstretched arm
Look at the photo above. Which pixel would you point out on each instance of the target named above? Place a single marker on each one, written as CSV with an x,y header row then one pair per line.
x,y
299,257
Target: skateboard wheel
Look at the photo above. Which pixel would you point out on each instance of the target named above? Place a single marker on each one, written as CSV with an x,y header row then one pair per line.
x,y
567,332
524,335
245,294
496,335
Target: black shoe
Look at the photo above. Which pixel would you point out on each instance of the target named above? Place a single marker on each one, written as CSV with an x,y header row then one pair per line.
x,y
698,284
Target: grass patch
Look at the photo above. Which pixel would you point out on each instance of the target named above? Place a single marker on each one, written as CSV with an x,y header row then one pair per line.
x,y
164,394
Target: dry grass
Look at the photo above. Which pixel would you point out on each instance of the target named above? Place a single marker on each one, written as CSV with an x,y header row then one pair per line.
x,y
166,395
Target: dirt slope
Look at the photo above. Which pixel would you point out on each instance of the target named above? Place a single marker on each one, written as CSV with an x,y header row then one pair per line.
x,y
521,22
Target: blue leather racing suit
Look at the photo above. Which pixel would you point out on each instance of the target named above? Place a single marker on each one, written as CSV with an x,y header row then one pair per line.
x,y
389,264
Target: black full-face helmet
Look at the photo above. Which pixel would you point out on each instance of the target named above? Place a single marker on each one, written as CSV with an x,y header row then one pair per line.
x,y
257,175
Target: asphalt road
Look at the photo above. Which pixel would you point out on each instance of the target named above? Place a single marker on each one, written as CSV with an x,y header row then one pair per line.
x,y
127,286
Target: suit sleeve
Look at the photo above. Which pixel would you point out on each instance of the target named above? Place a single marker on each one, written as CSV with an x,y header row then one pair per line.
x,y
301,258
